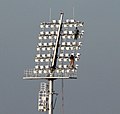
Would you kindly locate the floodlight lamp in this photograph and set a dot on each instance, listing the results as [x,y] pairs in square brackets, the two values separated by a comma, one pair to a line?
[58,71]
[47,26]
[76,59]
[64,43]
[44,55]
[60,59]
[40,44]
[41,67]
[67,48]
[76,48]
[38,48]
[78,55]
[65,66]
[73,36]
[43,49]
[55,37]
[42,26]
[68,43]
[48,48]
[76,25]
[61,55]
[62,48]
[65,32]
[45,71]
[57,25]
[43,44]
[40,71]
[53,48]
[40,38]
[47,60]
[65,25]
[51,44]
[65,59]
[67,70]
[72,20]
[64,37]
[47,66]
[54,21]
[36,60]
[38,55]
[72,54]
[52,26]
[70,25]
[70,32]
[67,20]
[35,72]
[50,37]
[41,60]
[42,33]
[46,33]
[52,32]
[80,43]
[76,66]
[62,71]
[48,55]
[37,67]
[73,43]
[60,66]
[82,31]
[81,24]
[69,36]
[45,37]
[67,55]
[71,48]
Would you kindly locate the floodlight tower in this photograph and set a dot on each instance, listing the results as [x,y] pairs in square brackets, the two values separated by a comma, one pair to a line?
[59,43]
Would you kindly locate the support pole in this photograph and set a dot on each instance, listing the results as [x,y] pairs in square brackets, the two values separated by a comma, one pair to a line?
[50,111]
[54,61]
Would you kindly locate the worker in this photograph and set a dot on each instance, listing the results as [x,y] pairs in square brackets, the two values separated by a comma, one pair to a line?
[72,59]
[76,33]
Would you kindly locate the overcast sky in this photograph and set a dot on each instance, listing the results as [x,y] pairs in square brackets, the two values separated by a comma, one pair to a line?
[97,89]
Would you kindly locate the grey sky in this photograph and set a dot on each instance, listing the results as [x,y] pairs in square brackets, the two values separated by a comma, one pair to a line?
[97,89]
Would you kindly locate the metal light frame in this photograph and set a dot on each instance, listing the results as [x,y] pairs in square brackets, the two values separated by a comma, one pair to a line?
[57,42]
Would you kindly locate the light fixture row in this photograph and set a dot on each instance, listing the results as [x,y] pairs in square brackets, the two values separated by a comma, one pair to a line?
[63,33]
[50,59]
[67,23]
[52,44]
[63,37]
[60,69]
[62,55]
[62,48]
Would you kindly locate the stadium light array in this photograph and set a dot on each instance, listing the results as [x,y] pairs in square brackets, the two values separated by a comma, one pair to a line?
[58,41]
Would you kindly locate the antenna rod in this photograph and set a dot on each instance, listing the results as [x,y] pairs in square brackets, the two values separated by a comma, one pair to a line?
[73,13]
[50,15]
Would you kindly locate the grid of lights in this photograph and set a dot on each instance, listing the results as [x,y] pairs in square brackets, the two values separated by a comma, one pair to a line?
[43,97]
[68,46]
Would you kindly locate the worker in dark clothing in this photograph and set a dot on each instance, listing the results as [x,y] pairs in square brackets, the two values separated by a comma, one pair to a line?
[72,59]
[76,33]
